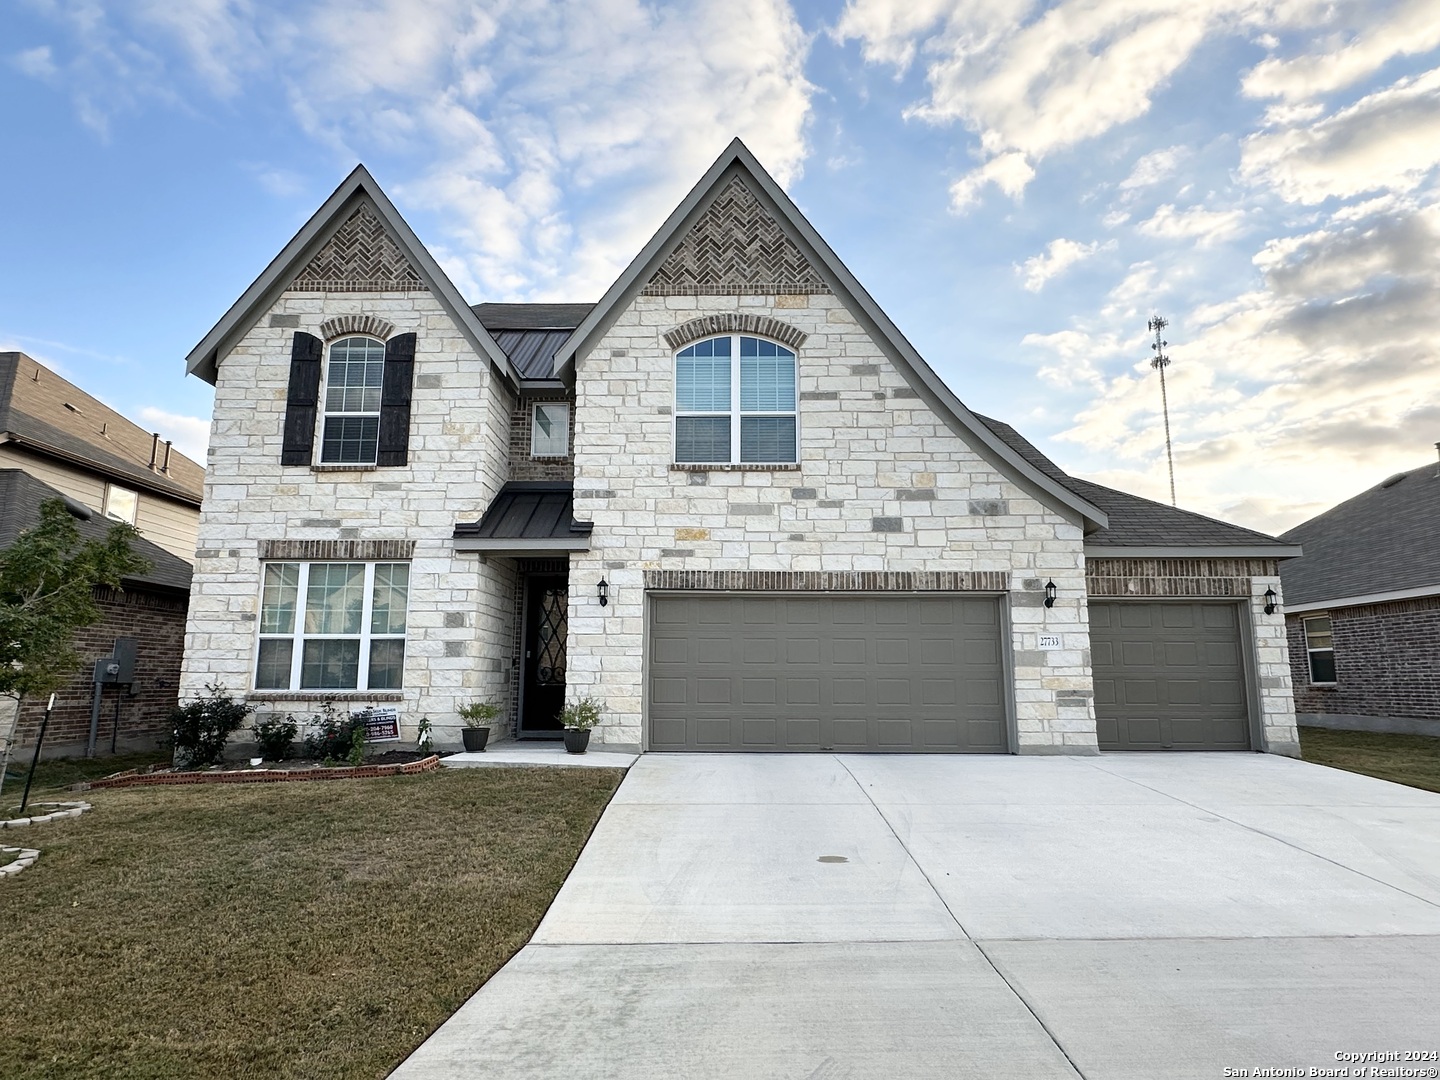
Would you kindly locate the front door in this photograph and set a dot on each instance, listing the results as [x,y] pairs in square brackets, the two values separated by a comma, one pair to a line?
[542,678]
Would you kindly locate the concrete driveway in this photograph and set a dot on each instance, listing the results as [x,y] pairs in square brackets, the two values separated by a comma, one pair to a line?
[841,917]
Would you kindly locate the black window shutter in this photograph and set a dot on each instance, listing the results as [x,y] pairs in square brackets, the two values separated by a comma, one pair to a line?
[395,401]
[302,399]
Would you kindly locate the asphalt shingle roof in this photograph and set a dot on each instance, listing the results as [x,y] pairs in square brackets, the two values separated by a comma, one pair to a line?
[1383,540]
[52,415]
[1134,522]
[20,498]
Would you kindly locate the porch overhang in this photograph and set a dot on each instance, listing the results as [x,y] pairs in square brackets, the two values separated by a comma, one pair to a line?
[527,519]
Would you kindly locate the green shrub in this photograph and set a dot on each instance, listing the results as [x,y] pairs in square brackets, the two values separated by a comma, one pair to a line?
[333,736]
[478,713]
[583,714]
[275,736]
[203,726]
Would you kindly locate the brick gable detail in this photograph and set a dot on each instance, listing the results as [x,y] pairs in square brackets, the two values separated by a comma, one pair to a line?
[361,256]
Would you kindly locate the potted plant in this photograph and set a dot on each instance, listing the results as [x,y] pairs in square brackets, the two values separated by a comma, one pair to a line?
[477,716]
[578,718]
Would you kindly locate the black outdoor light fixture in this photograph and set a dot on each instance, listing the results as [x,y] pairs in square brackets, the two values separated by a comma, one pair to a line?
[1269,601]
[602,588]
[1050,592]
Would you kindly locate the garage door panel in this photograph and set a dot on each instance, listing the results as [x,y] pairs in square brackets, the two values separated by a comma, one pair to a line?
[1168,675]
[889,674]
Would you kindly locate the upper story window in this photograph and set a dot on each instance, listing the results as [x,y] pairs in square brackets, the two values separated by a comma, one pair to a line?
[550,430]
[735,402]
[332,626]
[1320,648]
[354,377]
[121,503]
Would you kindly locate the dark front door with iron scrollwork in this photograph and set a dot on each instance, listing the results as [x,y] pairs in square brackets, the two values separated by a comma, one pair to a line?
[542,678]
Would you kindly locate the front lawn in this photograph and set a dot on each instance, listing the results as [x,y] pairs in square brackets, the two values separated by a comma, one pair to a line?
[1404,759]
[290,930]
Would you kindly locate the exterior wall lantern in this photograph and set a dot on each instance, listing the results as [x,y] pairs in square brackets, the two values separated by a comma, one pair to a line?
[1050,593]
[602,589]
[1270,601]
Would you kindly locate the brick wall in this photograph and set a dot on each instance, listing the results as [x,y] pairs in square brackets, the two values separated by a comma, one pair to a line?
[522,465]
[1387,661]
[157,621]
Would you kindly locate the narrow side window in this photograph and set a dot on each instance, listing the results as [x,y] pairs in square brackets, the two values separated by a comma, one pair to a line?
[1320,648]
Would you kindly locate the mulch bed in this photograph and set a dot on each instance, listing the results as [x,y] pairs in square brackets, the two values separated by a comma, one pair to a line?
[368,771]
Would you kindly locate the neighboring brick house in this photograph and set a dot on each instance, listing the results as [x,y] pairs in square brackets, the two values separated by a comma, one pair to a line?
[729,499]
[150,608]
[1362,608]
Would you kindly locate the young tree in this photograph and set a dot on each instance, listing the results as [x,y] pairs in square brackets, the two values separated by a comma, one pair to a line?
[47,585]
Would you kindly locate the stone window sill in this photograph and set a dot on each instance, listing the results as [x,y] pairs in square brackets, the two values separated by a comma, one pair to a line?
[344,468]
[325,695]
[731,467]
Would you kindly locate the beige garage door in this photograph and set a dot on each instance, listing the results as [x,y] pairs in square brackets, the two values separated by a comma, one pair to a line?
[897,674]
[1169,675]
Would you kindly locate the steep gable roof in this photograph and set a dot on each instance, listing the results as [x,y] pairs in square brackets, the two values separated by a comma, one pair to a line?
[798,252]
[1382,541]
[50,415]
[381,238]
[21,496]
[1144,528]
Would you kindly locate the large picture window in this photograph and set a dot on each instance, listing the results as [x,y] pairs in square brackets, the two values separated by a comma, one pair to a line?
[332,626]
[1320,648]
[735,402]
[354,377]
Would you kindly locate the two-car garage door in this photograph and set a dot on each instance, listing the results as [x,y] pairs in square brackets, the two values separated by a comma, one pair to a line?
[765,672]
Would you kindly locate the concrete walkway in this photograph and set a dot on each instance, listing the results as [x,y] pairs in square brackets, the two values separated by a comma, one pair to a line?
[845,917]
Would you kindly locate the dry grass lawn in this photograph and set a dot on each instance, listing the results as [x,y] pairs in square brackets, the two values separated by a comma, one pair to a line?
[287,930]
[1403,759]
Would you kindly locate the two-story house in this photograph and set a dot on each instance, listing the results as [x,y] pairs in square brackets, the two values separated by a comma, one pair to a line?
[58,442]
[729,499]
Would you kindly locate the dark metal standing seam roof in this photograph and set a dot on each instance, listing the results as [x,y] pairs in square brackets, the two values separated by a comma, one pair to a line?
[530,334]
[1383,540]
[529,510]
[531,352]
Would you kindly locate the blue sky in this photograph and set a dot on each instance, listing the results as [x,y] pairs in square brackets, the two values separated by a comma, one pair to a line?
[1019,185]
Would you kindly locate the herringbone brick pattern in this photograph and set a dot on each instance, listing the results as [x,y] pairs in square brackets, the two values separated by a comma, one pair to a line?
[360,257]
[736,247]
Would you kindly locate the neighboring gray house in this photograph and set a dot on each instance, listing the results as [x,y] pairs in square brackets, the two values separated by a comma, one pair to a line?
[1363,609]
[729,499]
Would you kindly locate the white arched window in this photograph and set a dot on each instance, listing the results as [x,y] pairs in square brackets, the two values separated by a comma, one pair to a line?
[354,376]
[735,403]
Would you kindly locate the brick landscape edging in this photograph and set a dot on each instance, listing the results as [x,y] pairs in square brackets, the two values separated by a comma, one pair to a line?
[270,776]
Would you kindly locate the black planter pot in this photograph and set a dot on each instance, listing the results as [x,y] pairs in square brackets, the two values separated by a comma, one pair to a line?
[576,739]
[475,739]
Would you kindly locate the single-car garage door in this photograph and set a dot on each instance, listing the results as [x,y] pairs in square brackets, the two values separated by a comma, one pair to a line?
[1168,676]
[899,674]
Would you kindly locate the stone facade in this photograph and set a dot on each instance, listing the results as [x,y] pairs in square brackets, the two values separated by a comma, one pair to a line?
[157,621]
[1386,656]
[460,608]
[1246,580]
[883,484]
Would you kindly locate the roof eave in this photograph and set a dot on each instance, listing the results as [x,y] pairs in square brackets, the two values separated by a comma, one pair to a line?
[101,468]
[203,360]
[1363,600]
[520,548]
[901,352]
[1194,551]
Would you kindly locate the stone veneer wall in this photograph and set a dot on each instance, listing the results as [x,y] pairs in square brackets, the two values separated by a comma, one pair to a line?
[1387,657]
[1243,579]
[882,485]
[458,644]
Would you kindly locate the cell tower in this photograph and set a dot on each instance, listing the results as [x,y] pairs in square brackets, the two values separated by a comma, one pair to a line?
[1160,362]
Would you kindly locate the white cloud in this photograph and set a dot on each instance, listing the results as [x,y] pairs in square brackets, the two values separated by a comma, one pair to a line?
[191,434]
[1371,40]
[1388,140]
[37,62]
[1205,227]
[1009,172]
[1059,255]
[1154,167]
